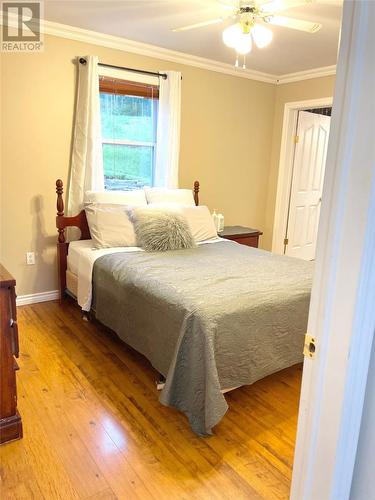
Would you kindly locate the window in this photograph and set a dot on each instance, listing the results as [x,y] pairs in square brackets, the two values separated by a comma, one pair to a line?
[128,118]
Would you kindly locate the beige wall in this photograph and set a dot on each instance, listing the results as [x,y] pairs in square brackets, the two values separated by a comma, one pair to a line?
[289,92]
[226,136]
[230,142]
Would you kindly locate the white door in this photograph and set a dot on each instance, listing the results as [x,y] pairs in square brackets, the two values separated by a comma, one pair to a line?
[307,184]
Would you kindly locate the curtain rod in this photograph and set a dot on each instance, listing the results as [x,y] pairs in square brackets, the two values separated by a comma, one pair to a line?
[82,60]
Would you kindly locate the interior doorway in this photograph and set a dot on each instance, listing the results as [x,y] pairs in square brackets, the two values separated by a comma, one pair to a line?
[305,192]
[304,139]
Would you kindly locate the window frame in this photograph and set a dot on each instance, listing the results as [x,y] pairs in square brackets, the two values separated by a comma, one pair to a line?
[131,79]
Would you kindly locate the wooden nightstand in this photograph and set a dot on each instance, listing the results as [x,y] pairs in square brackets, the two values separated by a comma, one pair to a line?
[243,235]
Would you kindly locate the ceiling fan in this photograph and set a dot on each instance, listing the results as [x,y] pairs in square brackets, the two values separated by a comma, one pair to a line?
[250,19]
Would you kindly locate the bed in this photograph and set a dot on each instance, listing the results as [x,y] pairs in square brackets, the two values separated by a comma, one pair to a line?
[213,317]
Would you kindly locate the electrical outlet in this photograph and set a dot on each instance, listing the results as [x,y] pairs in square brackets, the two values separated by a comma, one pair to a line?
[30,258]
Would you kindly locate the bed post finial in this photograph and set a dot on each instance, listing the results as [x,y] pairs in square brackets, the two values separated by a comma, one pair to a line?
[196,192]
[60,209]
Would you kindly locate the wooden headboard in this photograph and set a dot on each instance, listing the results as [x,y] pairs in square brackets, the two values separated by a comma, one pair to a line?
[79,221]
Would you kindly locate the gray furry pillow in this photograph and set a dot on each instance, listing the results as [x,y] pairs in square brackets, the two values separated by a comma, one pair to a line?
[161,229]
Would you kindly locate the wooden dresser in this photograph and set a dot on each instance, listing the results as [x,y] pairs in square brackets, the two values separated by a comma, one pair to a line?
[244,235]
[10,420]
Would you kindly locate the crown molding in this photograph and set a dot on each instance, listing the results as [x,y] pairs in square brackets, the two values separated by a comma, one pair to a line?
[306,75]
[144,49]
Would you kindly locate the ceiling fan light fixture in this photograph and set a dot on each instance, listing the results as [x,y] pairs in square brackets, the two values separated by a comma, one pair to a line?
[235,38]
[231,35]
[262,36]
[244,44]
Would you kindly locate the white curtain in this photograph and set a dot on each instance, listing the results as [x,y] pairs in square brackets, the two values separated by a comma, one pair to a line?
[168,131]
[86,171]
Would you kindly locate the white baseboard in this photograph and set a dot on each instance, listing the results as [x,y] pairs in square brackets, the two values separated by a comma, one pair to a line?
[33,298]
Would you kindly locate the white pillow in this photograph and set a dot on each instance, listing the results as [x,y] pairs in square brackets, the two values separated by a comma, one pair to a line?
[136,198]
[200,222]
[164,195]
[110,226]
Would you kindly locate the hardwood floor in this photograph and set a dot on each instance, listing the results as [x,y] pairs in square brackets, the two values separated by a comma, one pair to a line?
[93,426]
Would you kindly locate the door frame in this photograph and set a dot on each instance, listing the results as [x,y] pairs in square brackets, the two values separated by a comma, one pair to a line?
[286,162]
[342,313]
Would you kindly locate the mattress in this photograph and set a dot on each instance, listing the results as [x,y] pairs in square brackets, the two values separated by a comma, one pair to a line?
[72,283]
[75,250]
[81,259]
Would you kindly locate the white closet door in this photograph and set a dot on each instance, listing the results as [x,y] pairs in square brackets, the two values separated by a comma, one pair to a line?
[307,184]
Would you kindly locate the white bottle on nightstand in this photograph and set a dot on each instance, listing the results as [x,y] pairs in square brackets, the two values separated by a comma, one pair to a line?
[215,218]
[220,223]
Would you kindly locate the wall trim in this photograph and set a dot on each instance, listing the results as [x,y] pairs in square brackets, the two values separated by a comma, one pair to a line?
[154,51]
[34,298]
[307,75]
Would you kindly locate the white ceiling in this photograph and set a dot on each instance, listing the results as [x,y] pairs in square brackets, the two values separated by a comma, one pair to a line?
[151,21]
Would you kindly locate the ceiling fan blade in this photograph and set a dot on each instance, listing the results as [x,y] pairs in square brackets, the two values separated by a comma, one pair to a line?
[279,5]
[295,24]
[232,5]
[199,25]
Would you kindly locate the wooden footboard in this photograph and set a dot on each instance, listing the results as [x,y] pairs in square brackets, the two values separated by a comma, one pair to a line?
[79,221]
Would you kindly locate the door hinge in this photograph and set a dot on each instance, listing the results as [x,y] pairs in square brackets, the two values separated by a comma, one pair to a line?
[296,139]
[309,346]
[286,241]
